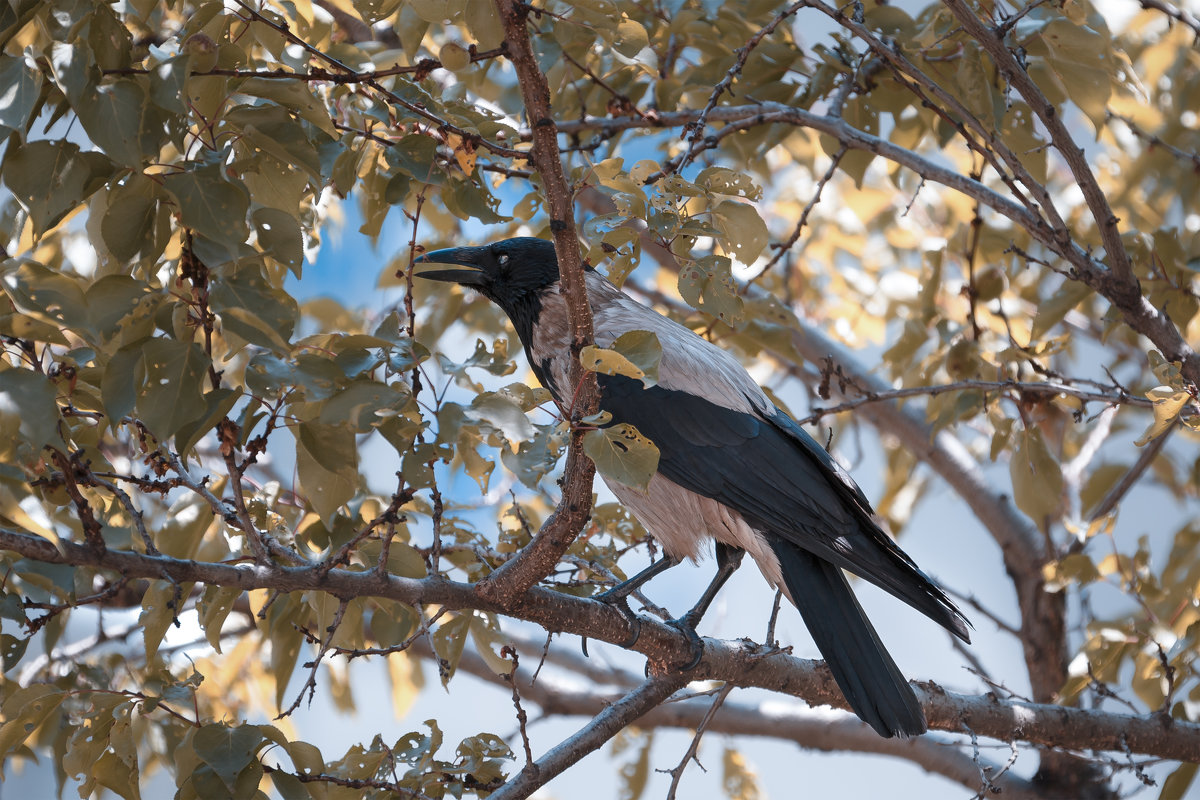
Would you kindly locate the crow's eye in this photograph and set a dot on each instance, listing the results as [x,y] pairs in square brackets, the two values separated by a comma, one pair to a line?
[502,259]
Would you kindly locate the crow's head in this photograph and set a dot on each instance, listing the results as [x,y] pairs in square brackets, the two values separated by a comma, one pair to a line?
[511,273]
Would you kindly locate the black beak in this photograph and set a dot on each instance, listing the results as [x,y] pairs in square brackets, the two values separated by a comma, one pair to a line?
[470,273]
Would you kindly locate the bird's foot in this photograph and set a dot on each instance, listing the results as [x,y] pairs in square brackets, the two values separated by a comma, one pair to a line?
[687,626]
[618,599]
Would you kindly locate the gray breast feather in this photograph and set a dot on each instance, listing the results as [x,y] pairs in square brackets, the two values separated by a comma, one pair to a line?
[689,363]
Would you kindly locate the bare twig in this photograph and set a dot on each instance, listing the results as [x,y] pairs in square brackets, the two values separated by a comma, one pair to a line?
[1121,488]
[310,683]
[603,727]
[509,651]
[726,83]
[676,772]
[1178,14]
[1018,388]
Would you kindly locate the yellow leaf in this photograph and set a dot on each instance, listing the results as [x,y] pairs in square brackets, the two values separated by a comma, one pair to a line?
[608,362]
[1168,402]
[464,150]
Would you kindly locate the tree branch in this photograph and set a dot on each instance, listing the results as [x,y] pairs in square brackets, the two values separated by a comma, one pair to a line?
[810,728]
[508,583]
[740,662]
[1073,154]
[605,725]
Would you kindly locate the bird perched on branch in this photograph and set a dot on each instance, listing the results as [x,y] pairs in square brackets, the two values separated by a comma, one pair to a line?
[732,467]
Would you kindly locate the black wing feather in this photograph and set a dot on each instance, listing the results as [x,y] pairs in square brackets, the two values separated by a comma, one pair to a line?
[778,478]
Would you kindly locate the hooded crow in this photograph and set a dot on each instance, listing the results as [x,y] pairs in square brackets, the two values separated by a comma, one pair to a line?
[732,467]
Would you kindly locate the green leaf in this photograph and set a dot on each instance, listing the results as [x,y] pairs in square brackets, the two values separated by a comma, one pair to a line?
[24,711]
[1036,476]
[28,414]
[470,200]
[71,65]
[49,179]
[1176,785]
[117,775]
[489,641]
[130,218]
[218,403]
[280,237]
[974,82]
[121,123]
[721,180]
[253,309]
[272,130]
[359,403]
[623,454]
[168,82]
[159,611]
[173,392]
[1079,60]
[47,295]
[327,465]
[211,205]
[19,86]
[631,38]
[285,640]
[293,95]
[707,284]
[110,300]
[448,642]
[122,378]
[1052,310]
[742,229]
[275,184]
[12,650]
[500,411]
[475,465]
[536,458]
[228,749]
[484,23]
[438,10]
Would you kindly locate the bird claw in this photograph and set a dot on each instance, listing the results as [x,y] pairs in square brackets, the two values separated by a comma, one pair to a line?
[618,601]
[688,628]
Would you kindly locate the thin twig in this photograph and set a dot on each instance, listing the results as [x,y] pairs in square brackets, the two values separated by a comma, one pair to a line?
[1122,487]
[676,772]
[726,83]
[591,737]
[310,683]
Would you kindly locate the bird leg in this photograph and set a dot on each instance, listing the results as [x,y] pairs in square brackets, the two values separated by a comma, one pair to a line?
[617,597]
[729,558]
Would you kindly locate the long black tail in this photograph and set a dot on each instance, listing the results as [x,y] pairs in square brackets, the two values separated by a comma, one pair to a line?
[864,671]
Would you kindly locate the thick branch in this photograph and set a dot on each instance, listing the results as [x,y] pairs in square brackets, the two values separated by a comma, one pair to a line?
[812,729]
[767,113]
[514,578]
[742,662]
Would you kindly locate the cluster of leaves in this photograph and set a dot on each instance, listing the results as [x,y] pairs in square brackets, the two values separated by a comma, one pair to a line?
[171,167]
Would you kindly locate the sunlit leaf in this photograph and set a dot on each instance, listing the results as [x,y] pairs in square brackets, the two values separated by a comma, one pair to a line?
[622,453]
